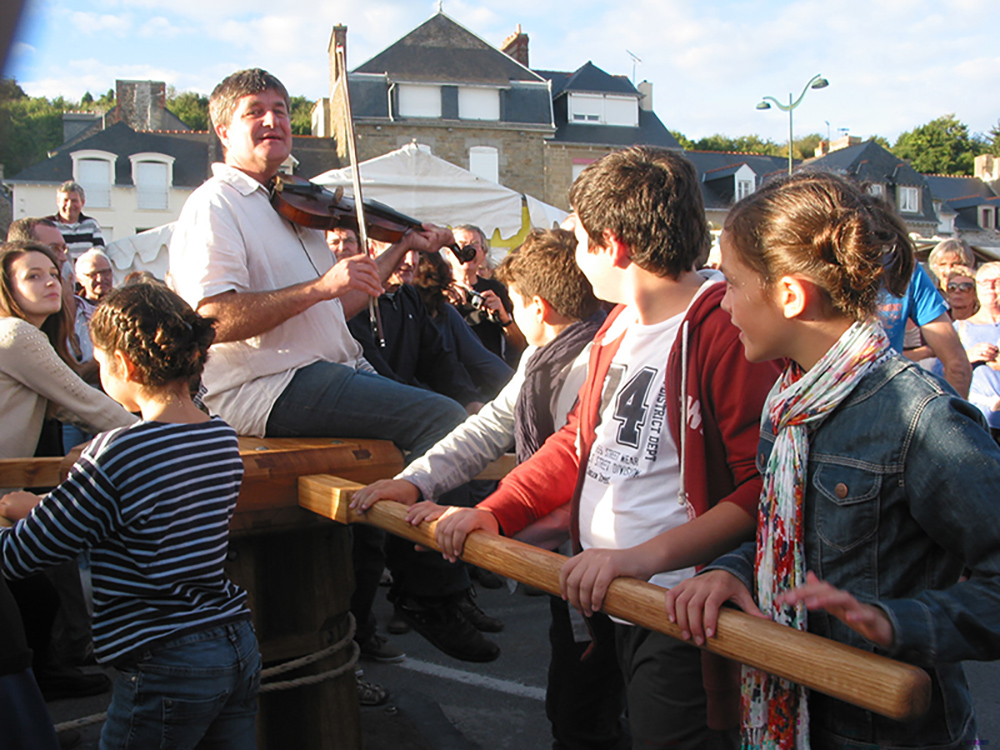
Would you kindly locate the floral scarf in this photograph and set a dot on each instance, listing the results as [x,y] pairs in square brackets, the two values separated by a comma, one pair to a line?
[775,711]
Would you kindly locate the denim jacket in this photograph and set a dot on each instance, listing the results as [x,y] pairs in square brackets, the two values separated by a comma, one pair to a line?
[901,496]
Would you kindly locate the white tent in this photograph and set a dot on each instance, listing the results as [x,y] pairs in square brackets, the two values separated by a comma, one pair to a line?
[415,182]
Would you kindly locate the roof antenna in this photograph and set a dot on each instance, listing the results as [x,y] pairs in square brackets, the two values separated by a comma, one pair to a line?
[440,6]
[635,59]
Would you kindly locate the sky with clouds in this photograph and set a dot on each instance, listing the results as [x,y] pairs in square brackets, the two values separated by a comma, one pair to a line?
[892,64]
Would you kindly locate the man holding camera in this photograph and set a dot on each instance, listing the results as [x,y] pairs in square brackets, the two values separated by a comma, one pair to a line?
[485,304]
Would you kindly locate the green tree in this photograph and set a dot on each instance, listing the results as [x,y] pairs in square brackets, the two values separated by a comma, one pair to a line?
[191,108]
[86,99]
[686,143]
[994,139]
[942,146]
[30,127]
[301,115]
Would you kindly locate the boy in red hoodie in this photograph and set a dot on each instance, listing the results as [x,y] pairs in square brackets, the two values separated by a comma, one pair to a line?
[658,456]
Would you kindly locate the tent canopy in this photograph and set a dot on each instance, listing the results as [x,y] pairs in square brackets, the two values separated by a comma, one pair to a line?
[415,182]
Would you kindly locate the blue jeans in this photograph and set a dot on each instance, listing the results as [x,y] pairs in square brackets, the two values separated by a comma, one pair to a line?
[330,400]
[196,691]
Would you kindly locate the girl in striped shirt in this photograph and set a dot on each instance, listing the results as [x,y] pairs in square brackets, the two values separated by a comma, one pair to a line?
[152,502]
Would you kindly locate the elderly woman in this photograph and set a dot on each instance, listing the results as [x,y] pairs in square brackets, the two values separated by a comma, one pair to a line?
[980,336]
[960,291]
[947,254]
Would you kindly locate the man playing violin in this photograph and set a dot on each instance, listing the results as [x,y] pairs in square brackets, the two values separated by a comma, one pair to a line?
[284,363]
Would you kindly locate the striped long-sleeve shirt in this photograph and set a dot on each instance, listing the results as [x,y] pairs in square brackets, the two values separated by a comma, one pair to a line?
[80,235]
[153,503]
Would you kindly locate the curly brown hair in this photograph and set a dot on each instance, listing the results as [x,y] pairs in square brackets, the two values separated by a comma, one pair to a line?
[164,338]
[828,230]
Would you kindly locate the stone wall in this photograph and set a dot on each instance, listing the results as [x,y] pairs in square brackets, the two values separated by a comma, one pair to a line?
[521,153]
[559,159]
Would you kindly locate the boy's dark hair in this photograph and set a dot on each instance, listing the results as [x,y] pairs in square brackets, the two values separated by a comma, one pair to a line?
[650,199]
[222,102]
[431,278]
[544,266]
[164,338]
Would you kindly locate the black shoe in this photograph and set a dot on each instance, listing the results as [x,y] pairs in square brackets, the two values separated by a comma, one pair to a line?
[397,625]
[441,622]
[479,619]
[65,682]
[69,738]
[486,578]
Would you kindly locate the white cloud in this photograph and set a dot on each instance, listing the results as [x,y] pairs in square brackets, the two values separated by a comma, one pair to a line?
[86,23]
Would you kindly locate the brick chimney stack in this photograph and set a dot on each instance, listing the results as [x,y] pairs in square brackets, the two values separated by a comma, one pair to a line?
[338,38]
[140,104]
[516,45]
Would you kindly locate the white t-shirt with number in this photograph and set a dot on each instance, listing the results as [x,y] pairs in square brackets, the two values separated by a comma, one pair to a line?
[630,493]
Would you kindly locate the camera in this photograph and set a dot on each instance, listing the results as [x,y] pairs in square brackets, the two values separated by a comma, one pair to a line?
[476,300]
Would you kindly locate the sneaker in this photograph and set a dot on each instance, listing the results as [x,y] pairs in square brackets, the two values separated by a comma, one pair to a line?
[479,619]
[370,693]
[67,682]
[442,623]
[397,625]
[486,578]
[379,649]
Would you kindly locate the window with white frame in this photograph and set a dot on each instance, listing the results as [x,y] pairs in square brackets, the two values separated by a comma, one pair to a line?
[419,101]
[743,188]
[987,217]
[478,103]
[152,175]
[484,161]
[908,199]
[598,109]
[95,171]
[877,189]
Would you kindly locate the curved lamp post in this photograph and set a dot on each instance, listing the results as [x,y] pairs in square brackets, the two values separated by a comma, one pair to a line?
[816,82]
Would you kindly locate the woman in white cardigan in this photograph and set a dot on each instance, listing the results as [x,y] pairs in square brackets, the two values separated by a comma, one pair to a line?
[34,378]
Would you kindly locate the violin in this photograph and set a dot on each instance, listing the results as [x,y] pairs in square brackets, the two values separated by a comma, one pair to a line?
[311,205]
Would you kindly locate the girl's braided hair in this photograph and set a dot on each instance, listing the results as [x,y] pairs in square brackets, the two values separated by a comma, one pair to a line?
[164,338]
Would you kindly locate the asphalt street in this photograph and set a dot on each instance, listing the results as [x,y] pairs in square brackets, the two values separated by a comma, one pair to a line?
[440,703]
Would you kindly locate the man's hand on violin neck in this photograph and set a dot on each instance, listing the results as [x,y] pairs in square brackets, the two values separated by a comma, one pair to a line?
[429,239]
[357,273]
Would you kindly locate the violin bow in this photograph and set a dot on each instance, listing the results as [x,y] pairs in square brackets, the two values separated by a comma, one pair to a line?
[359,204]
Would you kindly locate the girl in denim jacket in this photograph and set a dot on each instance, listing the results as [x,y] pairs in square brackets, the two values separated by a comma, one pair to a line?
[879,483]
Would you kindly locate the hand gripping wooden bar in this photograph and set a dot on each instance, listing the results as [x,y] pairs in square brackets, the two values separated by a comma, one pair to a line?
[875,683]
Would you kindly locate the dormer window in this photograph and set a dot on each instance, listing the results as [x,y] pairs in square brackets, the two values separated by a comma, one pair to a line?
[152,175]
[743,188]
[604,109]
[419,101]
[908,199]
[877,189]
[987,217]
[95,171]
[478,103]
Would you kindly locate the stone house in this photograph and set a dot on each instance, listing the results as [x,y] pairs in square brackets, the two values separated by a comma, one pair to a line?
[484,109]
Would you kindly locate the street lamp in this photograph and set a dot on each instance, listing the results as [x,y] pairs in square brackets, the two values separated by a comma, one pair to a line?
[816,82]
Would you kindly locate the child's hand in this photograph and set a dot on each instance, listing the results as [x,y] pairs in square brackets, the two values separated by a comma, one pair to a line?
[457,523]
[17,505]
[425,511]
[385,489]
[693,605]
[869,621]
[585,578]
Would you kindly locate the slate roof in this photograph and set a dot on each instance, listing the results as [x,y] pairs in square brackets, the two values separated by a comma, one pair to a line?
[870,162]
[190,150]
[442,51]
[717,168]
[588,78]
[949,188]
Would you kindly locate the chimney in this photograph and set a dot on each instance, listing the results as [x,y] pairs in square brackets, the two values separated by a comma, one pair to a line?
[140,104]
[338,38]
[516,45]
[987,169]
[844,142]
[645,96]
